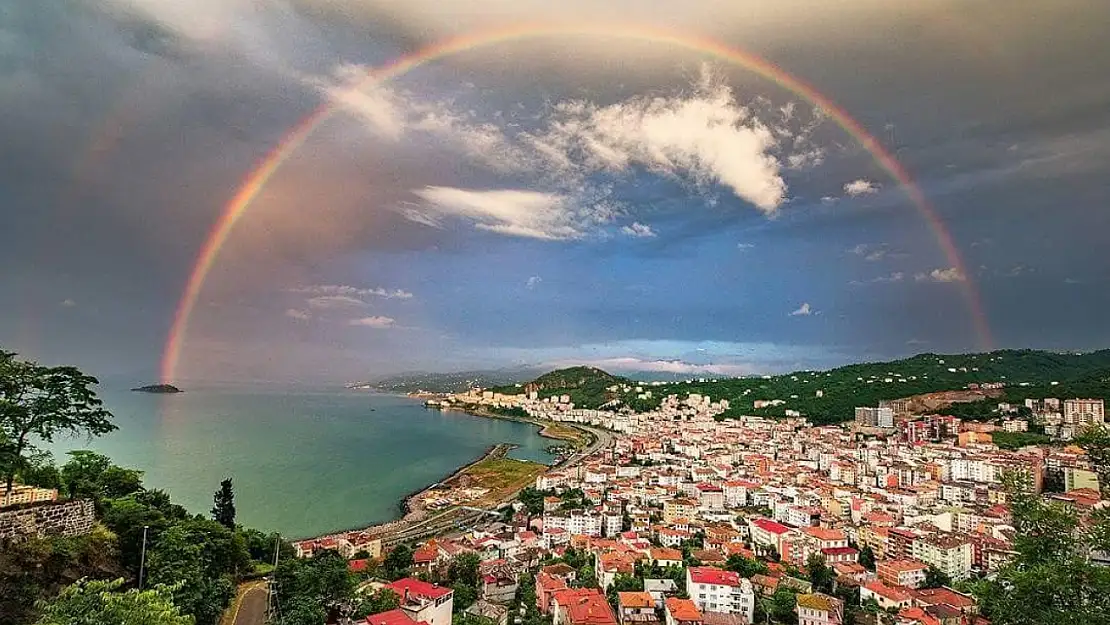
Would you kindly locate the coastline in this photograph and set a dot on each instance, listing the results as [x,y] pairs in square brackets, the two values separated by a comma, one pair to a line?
[412,516]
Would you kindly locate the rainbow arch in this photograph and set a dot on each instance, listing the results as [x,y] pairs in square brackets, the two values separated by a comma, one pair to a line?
[264,170]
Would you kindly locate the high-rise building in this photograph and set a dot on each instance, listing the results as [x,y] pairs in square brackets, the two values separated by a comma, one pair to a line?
[875,417]
[1084,412]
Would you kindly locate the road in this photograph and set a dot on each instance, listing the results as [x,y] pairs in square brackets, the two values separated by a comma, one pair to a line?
[251,607]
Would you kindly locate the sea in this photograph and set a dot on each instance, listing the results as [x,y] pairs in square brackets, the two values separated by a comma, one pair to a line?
[303,463]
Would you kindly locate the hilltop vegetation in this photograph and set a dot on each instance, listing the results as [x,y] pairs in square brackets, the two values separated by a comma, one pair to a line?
[455,382]
[1025,373]
[588,387]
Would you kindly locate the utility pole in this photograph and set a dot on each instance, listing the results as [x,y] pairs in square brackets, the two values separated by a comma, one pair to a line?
[271,602]
[142,558]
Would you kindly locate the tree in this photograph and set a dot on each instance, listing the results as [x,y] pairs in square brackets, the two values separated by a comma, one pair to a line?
[1050,579]
[820,574]
[92,475]
[936,578]
[623,583]
[382,600]
[223,505]
[39,403]
[867,557]
[746,567]
[397,562]
[105,603]
[1095,440]
[462,574]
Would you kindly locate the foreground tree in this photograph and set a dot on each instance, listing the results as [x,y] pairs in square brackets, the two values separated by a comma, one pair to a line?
[105,603]
[821,574]
[1051,579]
[223,505]
[39,403]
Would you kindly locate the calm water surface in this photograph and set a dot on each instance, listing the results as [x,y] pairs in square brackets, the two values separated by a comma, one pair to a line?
[303,463]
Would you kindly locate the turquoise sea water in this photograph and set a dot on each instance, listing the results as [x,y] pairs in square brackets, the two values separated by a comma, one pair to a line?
[303,463]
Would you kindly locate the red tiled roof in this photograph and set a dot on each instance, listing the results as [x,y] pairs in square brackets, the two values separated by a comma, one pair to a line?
[712,575]
[635,600]
[770,526]
[356,566]
[683,609]
[586,606]
[887,592]
[392,617]
[417,588]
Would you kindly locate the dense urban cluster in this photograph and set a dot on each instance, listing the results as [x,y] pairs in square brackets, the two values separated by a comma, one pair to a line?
[684,518]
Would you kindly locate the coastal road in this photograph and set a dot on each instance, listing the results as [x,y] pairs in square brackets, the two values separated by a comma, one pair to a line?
[250,606]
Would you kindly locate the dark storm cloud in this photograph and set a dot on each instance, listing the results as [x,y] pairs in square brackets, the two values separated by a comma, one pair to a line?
[128,124]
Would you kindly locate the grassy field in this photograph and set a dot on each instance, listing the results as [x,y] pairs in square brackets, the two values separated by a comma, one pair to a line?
[502,476]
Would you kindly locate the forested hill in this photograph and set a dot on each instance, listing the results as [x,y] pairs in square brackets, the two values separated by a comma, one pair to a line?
[1025,373]
[588,387]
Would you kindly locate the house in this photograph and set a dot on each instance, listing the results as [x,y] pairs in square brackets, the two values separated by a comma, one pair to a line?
[423,601]
[495,614]
[717,590]
[547,585]
[768,534]
[885,596]
[681,612]
[819,609]
[392,617]
[581,606]
[665,557]
[635,607]
[660,589]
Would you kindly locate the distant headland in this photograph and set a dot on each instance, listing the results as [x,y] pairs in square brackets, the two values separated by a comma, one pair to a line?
[157,388]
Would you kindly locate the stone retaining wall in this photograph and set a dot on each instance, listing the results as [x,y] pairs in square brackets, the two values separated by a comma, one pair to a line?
[70,518]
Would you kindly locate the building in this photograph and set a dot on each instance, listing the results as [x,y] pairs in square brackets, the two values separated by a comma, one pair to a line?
[681,612]
[581,606]
[675,509]
[885,596]
[905,573]
[423,601]
[882,417]
[1075,479]
[949,553]
[716,590]
[635,607]
[1084,412]
[819,609]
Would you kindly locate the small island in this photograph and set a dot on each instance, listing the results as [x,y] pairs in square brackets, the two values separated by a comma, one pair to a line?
[158,388]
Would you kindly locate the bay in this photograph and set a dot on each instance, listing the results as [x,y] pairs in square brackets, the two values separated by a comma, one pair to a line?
[303,463]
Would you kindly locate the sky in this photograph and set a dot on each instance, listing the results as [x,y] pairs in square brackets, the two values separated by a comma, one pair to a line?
[570,196]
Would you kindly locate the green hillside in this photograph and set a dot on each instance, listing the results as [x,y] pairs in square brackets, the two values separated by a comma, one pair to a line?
[586,386]
[1026,373]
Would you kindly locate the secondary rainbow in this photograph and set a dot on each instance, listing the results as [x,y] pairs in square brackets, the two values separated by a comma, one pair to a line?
[257,178]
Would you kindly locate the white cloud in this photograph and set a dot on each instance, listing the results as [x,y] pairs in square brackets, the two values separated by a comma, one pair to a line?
[870,252]
[335,290]
[532,282]
[745,246]
[828,199]
[516,212]
[803,311]
[335,301]
[808,159]
[300,315]
[639,230]
[896,276]
[951,274]
[860,187]
[378,322]
[703,136]
[68,303]
[383,110]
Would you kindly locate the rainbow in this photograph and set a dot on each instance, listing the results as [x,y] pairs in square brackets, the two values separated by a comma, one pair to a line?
[261,174]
